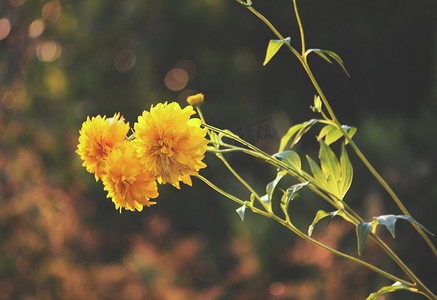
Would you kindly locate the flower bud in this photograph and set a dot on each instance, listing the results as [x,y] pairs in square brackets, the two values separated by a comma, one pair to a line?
[195,100]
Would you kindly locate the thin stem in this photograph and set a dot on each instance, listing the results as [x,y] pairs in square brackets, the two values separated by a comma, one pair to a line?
[294,229]
[349,212]
[302,36]
[303,60]
[243,182]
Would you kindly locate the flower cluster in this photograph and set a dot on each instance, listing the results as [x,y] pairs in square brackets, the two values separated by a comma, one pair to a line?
[167,146]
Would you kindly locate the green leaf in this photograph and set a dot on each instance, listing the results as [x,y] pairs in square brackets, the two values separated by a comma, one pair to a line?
[391,288]
[334,177]
[273,47]
[346,172]
[331,133]
[290,194]
[299,130]
[331,168]
[266,202]
[242,211]
[325,53]
[272,185]
[389,221]
[317,104]
[291,159]
[320,215]
[363,230]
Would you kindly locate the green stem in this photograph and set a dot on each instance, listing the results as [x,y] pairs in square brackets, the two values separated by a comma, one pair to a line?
[303,60]
[349,212]
[243,182]
[294,229]
[302,36]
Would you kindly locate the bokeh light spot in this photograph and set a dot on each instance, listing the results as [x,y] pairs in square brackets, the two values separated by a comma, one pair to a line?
[36,28]
[124,60]
[51,11]
[5,28]
[176,79]
[188,66]
[276,288]
[48,51]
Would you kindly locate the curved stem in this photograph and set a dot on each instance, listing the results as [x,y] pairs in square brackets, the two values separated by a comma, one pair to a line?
[303,59]
[294,229]
[356,219]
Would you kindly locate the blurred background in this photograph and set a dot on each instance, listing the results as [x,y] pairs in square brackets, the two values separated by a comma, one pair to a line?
[60,61]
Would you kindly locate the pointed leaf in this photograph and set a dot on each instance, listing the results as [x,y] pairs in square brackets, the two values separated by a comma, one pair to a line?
[273,47]
[320,215]
[286,138]
[331,133]
[299,130]
[330,167]
[338,59]
[346,172]
[242,211]
[363,230]
[319,176]
[272,185]
[291,193]
[325,53]
[266,202]
[291,159]
[391,288]
[389,221]
[322,55]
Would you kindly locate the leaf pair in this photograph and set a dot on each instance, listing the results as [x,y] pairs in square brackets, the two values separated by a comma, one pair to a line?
[389,221]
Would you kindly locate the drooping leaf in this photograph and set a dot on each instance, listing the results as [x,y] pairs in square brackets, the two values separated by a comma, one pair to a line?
[273,47]
[325,53]
[297,131]
[320,215]
[291,159]
[331,133]
[266,202]
[272,185]
[242,211]
[389,221]
[363,230]
[391,288]
[290,194]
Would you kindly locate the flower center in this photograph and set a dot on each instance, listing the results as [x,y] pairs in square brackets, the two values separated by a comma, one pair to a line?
[165,147]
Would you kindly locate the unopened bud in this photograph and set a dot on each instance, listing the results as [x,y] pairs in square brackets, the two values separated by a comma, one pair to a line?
[195,100]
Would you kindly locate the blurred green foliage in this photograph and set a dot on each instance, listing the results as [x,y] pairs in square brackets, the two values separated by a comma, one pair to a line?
[60,238]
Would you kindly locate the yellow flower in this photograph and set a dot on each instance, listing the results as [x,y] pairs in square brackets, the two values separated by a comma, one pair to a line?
[98,136]
[128,184]
[169,143]
[195,100]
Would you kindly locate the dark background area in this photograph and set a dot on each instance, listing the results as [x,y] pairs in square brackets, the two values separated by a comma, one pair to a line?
[60,61]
